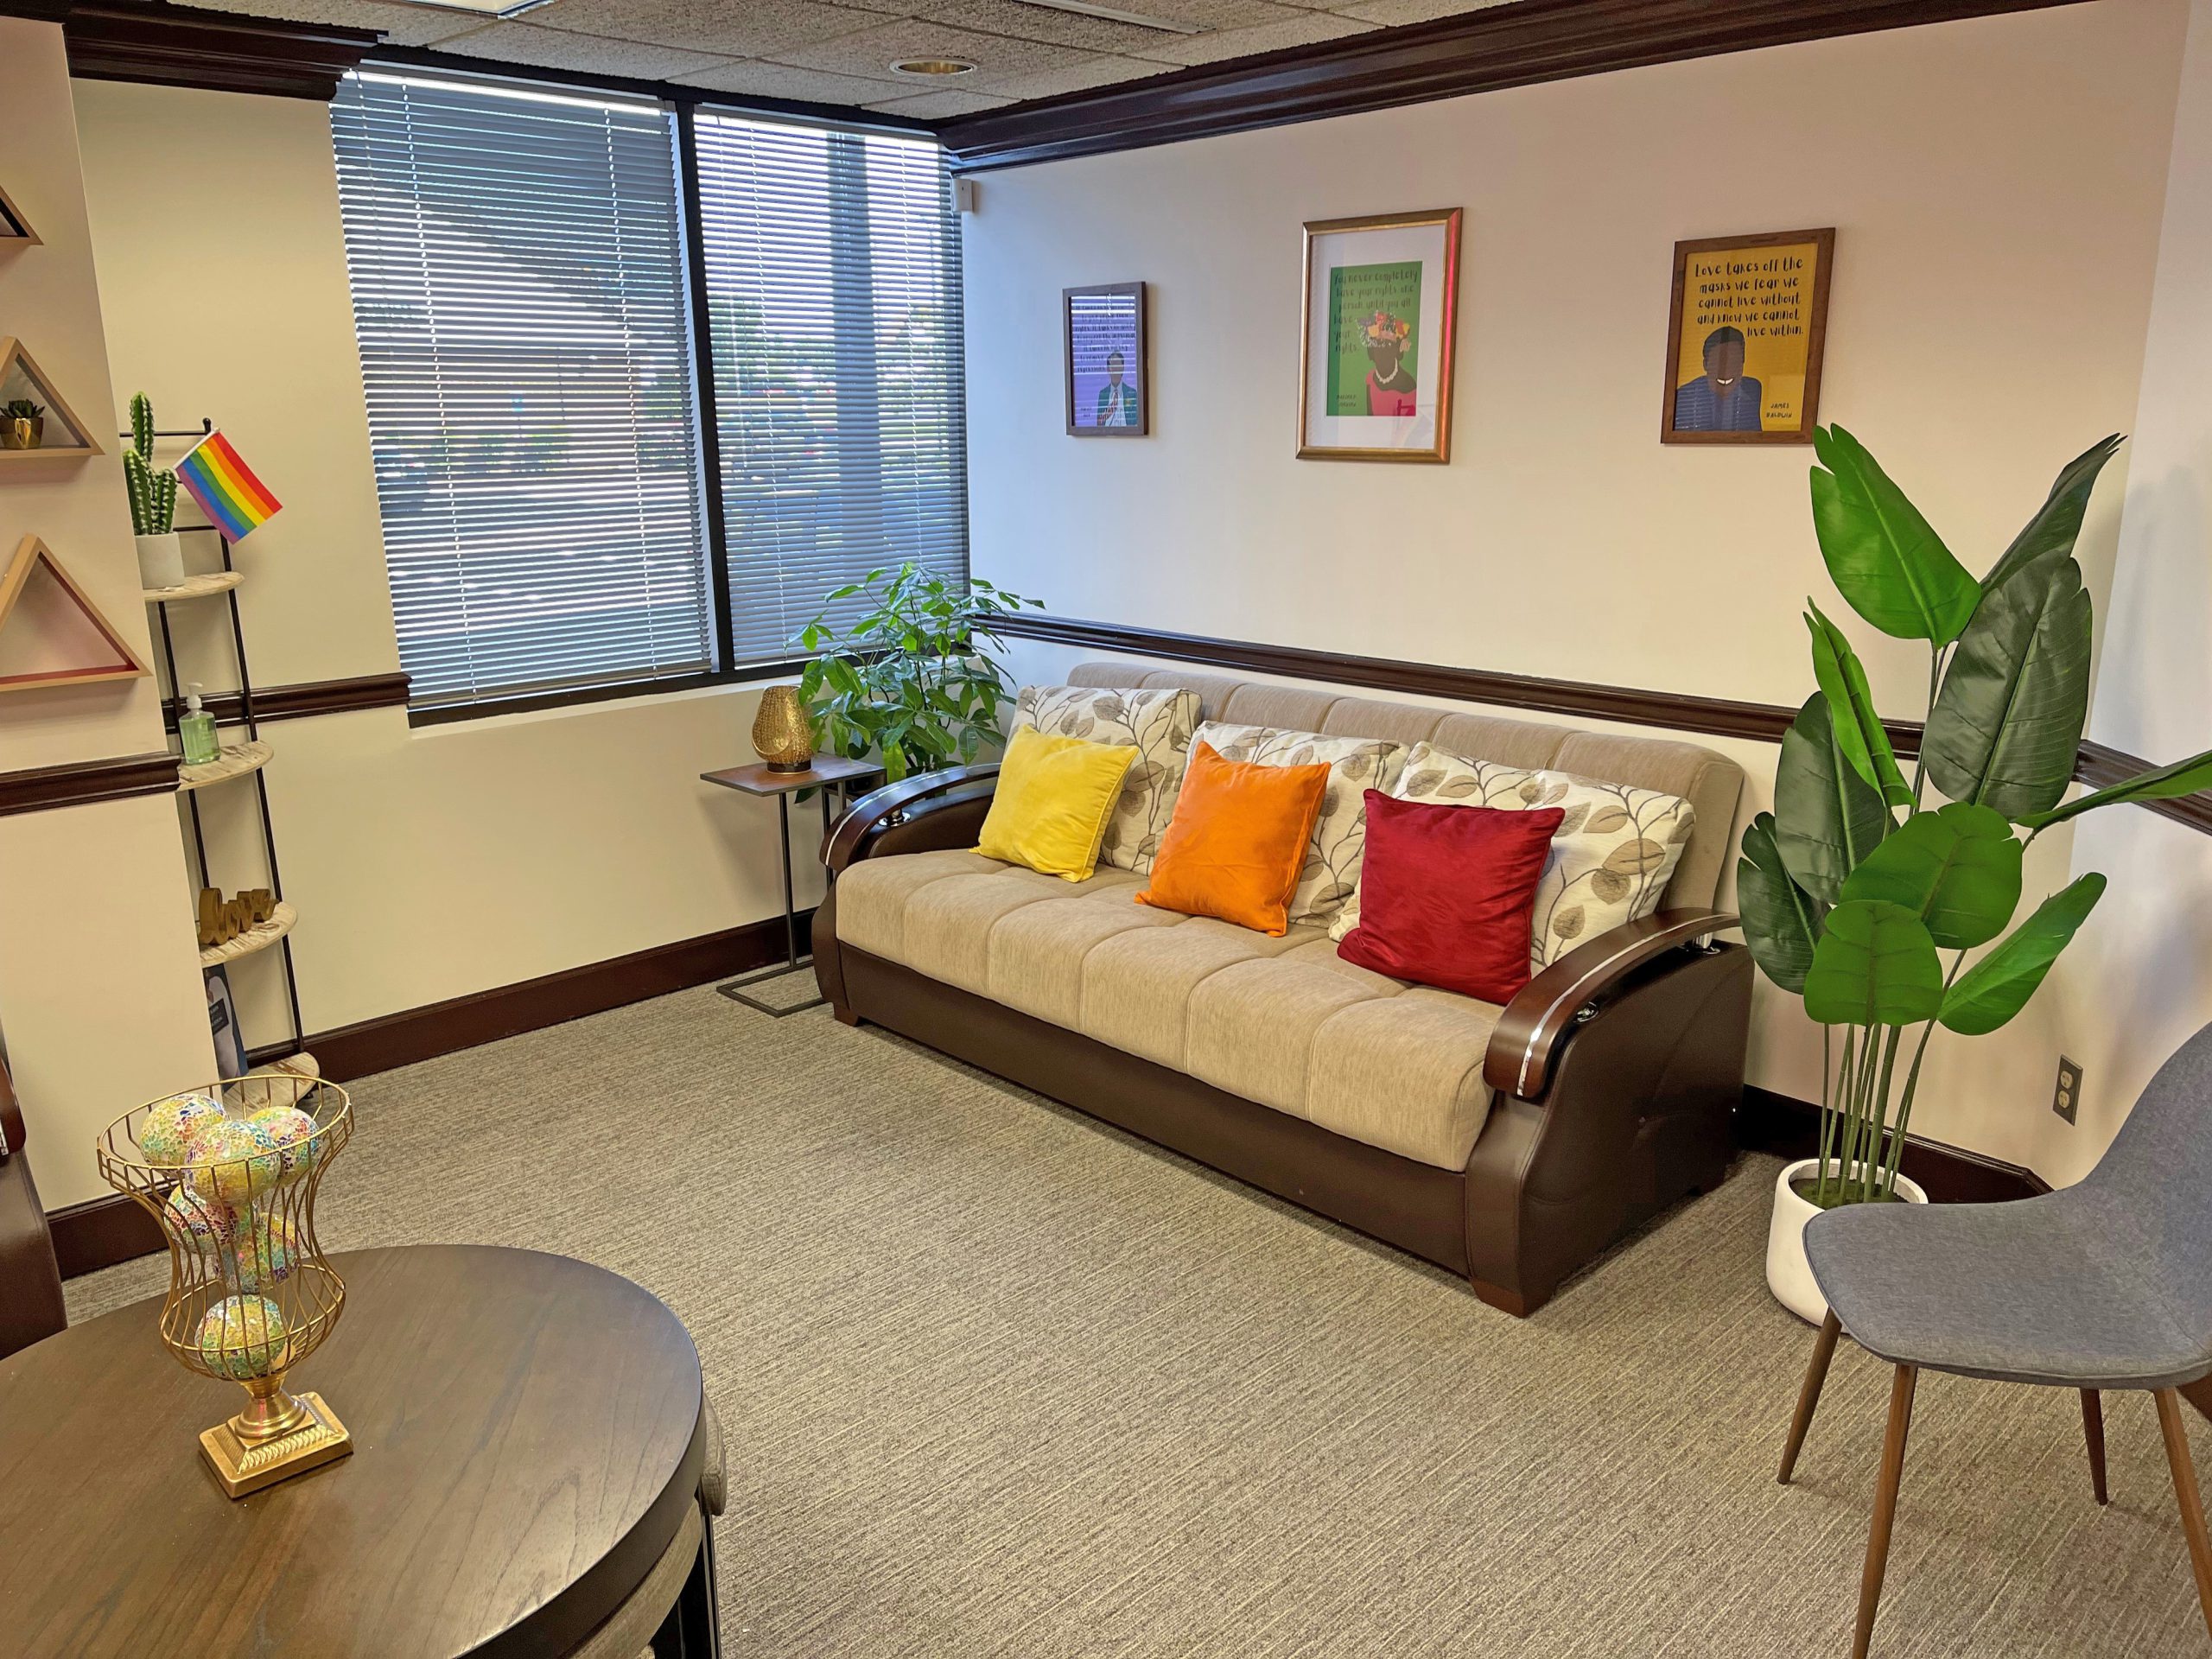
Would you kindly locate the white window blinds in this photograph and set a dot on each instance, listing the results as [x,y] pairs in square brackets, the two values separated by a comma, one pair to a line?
[518,290]
[833,290]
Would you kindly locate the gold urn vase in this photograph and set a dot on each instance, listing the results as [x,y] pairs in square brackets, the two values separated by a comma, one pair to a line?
[23,432]
[231,1172]
[781,733]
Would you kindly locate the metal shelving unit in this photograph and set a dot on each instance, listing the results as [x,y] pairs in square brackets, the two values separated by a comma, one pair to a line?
[238,760]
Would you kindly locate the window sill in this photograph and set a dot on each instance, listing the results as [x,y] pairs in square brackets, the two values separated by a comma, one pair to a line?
[627,690]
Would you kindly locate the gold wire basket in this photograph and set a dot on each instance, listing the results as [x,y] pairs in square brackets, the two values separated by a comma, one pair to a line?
[231,1172]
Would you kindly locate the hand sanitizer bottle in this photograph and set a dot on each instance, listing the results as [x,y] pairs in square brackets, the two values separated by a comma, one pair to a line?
[197,729]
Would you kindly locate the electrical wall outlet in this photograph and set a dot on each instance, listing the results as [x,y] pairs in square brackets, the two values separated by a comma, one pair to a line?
[2066,1098]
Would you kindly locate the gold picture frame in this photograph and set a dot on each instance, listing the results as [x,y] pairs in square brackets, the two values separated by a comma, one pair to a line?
[1756,290]
[1388,290]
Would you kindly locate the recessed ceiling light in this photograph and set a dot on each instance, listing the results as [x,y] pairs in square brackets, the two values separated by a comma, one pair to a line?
[932,68]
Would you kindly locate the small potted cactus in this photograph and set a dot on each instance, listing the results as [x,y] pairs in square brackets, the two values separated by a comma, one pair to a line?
[153,503]
[23,424]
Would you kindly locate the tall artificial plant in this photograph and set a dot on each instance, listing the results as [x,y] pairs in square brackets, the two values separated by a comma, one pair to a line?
[914,679]
[153,494]
[1855,886]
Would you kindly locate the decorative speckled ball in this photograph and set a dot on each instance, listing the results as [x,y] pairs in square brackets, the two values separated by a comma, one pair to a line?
[266,1246]
[293,1130]
[193,1216]
[233,1162]
[243,1337]
[166,1134]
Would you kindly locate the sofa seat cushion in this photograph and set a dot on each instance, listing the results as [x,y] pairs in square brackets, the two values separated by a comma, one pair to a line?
[1285,1022]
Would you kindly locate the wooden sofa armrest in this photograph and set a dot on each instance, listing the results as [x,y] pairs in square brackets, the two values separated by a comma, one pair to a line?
[880,807]
[1535,1024]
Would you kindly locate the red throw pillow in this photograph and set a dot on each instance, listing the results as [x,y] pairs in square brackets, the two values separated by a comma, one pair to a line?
[1446,894]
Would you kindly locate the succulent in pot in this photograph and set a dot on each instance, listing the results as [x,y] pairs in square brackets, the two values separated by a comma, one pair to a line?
[23,424]
[153,503]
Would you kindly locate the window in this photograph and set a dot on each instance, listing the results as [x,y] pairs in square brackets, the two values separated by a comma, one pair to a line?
[833,291]
[518,290]
[521,290]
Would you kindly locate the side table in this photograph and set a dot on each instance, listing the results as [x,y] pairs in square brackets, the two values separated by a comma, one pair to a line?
[828,772]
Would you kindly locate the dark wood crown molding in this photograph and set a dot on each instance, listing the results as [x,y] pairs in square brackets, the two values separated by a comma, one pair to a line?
[1513,45]
[2096,764]
[40,789]
[182,46]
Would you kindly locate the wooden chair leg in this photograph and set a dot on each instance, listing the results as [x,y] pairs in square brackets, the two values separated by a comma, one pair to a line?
[1809,1394]
[2093,1430]
[2192,1505]
[1885,1508]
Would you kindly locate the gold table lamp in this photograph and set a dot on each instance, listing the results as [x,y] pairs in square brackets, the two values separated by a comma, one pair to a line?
[782,736]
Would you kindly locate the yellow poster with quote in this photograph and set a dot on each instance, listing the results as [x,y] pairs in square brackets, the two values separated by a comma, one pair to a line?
[1745,341]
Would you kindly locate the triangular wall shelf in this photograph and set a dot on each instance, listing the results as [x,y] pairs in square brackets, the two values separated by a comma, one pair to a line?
[66,437]
[51,634]
[15,229]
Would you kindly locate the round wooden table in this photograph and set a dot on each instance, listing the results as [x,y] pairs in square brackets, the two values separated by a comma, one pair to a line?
[527,1430]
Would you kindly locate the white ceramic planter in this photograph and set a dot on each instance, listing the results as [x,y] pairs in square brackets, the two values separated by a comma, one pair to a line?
[1788,1275]
[161,560]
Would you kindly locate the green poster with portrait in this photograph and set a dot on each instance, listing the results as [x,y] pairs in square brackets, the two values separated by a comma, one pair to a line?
[1373,313]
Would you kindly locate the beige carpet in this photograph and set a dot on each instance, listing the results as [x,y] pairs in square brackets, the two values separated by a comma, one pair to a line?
[999,1382]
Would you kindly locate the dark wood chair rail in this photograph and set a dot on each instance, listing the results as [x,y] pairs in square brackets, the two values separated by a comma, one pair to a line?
[1537,1022]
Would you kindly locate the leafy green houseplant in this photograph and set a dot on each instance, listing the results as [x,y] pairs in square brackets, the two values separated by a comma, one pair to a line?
[915,680]
[1859,893]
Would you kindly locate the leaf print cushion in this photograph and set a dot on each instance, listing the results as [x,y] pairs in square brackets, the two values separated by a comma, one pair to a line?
[1611,858]
[1331,875]
[1159,723]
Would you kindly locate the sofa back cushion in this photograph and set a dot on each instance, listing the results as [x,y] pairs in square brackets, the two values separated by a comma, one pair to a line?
[1613,855]
[1330,874]
[1237,841]
[1157,722]
[1712,784]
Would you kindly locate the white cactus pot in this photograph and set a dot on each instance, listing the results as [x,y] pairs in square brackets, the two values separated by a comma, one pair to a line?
[1787,1273]
[161,560]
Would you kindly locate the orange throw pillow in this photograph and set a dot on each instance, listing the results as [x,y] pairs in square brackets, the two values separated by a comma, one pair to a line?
[1237,841]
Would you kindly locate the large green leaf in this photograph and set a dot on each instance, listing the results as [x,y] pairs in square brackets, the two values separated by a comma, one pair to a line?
[1958,870]
[2162,783]
[1875,965]
[1891,567]
[1826,818]
[2057,523]
[2008,721]
[1996,988]
[1782,921]
[1859,735]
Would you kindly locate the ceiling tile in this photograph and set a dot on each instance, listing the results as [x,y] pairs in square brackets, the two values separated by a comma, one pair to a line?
[1299,29]
[402,25]
[805,85]
[1392,13]
[935,106]
[1080,77]
[1012,17]
[753,30]
[556,48]
[872,51]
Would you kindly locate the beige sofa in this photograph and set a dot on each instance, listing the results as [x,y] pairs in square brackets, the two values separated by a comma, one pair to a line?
[1507,1143]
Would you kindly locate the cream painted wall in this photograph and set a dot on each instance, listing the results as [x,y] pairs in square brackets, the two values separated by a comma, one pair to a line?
[1992,286]
[100,1003]
[427,862]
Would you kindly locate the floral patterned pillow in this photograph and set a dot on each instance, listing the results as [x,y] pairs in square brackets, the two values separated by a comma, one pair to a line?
[1159,723]
[1610,861]
[1356,766]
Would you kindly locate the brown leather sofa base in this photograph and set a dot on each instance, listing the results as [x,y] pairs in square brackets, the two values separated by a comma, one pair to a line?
[1549,1185]
[30,1280]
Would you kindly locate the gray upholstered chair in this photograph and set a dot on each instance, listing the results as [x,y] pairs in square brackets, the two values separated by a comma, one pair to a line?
[2104,1285]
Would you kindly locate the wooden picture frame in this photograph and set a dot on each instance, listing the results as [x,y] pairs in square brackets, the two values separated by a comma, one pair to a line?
[1390,263]
[30,554]
[1742,297]
[1097,324]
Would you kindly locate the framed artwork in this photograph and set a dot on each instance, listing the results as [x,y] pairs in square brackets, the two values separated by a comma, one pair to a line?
[1381,300]
[1109,381]
[1743,338]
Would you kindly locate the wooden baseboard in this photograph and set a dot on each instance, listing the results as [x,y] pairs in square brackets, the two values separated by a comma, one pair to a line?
[104,1232]
[1790,1128]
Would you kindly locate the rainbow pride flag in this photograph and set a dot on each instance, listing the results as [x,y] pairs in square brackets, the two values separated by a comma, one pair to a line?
[236,502]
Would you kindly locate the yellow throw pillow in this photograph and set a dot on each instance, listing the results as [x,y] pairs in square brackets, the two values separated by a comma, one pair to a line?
[1053,798]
